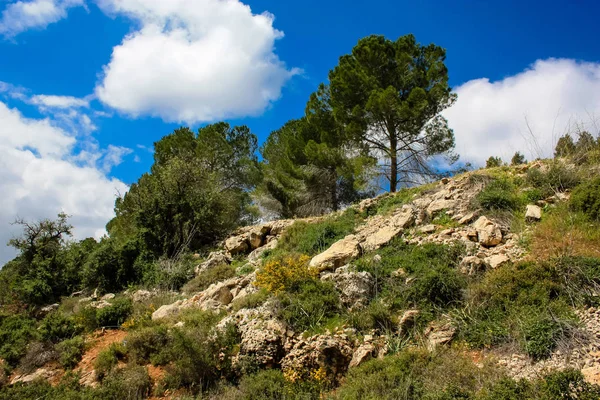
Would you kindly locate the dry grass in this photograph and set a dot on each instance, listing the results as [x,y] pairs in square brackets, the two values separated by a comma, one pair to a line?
[565,233]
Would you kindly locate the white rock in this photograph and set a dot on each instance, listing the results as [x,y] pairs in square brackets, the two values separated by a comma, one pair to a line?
[533,213]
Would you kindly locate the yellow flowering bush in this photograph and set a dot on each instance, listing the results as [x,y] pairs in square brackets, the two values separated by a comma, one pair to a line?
[279,275]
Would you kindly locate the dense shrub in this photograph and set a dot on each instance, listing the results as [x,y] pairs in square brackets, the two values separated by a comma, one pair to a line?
[145,344]
[287,273]
[208,277]
[56,327]
[499,194]
[309,305]
[108,359]
[15,333]
[71,351]
[250,301]
[115,315]
[558,178]
[586,198]
[375,316]
[129,383]
[314,238]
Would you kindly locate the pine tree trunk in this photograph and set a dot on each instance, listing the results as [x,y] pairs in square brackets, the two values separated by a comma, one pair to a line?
[393,163]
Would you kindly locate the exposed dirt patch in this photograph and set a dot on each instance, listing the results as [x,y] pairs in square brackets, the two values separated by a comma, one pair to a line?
[98,342]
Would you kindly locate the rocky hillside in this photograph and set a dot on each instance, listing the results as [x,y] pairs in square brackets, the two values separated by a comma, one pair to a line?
[456,289]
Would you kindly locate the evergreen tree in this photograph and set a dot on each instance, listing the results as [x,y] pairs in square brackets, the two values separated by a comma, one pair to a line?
[518,159]
[389,95]
[565,146]
[493,162]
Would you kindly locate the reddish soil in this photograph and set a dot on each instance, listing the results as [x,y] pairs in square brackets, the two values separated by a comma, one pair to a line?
[98,341]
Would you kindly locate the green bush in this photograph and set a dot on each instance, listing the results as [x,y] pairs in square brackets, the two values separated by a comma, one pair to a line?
[586,198]
[250,301]
[56,327]
[116,314]
[207,278]
[375,316]
[558,178]
[71,351]
[15,333]
[541,334]
[499,194]
[145,344]
[129,383]
[314,238]
[310,305]
[108,359]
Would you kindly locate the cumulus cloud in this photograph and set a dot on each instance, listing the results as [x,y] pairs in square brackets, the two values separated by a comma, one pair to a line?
[40,175]
[21,16]
[193,61]
[526,112]
[52,101]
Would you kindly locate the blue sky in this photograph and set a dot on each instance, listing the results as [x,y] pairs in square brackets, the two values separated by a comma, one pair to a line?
[87,86]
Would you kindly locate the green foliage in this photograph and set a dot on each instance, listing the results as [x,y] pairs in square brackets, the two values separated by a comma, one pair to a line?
[558,178]
[144,345]
[309,305]
[389,95]
[493,162]
[565,146]
[313,238]
[250,301]
[56,327]
[208,277]
[71,351]
[129,383]
[108,359]
[586,198]
[518,159]
[286,273]
[310,167]
[15,333]
[527,303]
[393,201]
[375,316]
[499,194]
[115,315]
[196,192]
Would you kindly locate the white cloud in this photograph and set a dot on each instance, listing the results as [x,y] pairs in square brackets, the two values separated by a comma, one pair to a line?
[52,101]
[40,176]
[193,60]
[552,96]
[21,16]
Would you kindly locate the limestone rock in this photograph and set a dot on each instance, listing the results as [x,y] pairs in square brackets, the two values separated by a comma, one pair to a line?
[533,213]
[497,260]
[338,254]
[236,245]
[214,259]
[141,295]
[488,233]
[381,237]
[41,373]
[255,256]
[407,320]
[439,205]
[362,354]
[467,219]
[592,374]
[427,229]
[167,311]
[439,333]
[356,288]
[108,296]
[333,353]
[49,309]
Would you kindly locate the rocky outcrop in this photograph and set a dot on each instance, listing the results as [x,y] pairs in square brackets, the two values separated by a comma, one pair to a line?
[356,288]
[214,259]
[533,213]
[323,352]
[167,311]
[339,254]
[379,231]
[251,238]
[489,234]
[41,373]
[439,333]
[364,353]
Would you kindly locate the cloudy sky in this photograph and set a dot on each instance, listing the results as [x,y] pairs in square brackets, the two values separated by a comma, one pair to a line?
[87,86]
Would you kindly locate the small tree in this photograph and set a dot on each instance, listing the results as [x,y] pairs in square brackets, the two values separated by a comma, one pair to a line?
[565,146]
[518,159]
[493,162]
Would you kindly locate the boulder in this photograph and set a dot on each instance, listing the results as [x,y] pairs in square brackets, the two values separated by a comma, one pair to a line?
[439,205]
[467,219]
[497,260]
[214,259]
[331,353]
[380,238]
[39,374]
[592,374]
[236,245]
[167,311]
[141,295]
[427,229]
[439,333]
[49,309]
[488,233]
[533,213]
[356,288]
[363,353]
[255,256]
[340,253]
[108,296]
